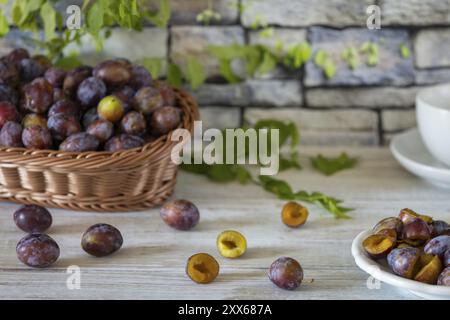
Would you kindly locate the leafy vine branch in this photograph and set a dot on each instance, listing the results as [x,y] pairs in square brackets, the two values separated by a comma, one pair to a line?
[101,16]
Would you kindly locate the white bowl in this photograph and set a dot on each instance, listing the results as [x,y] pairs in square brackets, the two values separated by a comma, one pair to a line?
[433,119]
[381,272]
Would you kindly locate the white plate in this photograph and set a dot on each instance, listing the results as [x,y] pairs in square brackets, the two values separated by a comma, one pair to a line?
[382,272]
[412,154]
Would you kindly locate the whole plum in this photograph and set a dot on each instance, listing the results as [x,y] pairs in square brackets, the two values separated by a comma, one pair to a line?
[90,116]
[180,214]
[80,142]
[64,106]
[133,123]
[38,95]
[123,142]
[90,92]
[17,55]
[165,119]
[8,93]
[43,61]
[114,73]
[167,93]
[101,240]
[8,73]
[148,99]
[8,112]
[37,250]
[11,135]
[32,218]
[62,126]
[30,69]
[101,129]
[73,79]
[140,77]
[34,119]
[125,94]
[37,137]
[55,76]
[286,273]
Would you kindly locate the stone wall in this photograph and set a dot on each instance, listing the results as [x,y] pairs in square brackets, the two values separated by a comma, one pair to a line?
[364,106]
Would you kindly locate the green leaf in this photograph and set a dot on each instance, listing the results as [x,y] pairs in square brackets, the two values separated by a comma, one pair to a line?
[328,203]
[227,72]
[320,58]
[68,62]
[329,68]
[404,51]
[329,166]
[161,17]
[4,26]
[94,16]
[268,63]
[174,75]
[48,15]
[279,187]
[195,72]
[350,55]
[153,65]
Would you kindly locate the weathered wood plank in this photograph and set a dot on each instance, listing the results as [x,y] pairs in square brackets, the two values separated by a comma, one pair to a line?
[151,263]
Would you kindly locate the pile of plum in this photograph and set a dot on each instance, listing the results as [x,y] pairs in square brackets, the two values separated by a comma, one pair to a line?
[114,106]
[415,246]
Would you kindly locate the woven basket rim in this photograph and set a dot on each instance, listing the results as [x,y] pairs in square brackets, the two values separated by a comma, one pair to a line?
[57,158]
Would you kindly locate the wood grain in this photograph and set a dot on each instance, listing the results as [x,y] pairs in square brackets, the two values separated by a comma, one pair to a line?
[152,261]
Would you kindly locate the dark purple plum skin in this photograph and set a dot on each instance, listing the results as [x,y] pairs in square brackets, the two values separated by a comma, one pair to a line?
[113,73]
[101,129]
[133,123]
[165,119]
[444,278]
[37,250]
[402,261]
[11,135]
[286,273]
[33,218]
[123,142]
[416,229]
[36,137]
[62,126]
[438,228]
[447,258]
[101,240]
[438,246]
[64,106]
[55,76]
[180,214]
[90,92]
[80,142]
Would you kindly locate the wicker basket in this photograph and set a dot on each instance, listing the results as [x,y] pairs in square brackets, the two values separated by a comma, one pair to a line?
[126,180]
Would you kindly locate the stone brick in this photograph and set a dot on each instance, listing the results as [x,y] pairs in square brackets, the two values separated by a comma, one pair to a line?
[432,47]
[415,12]
[274,93]
[299,13]
[397,120]
[220,117]
[432,76]
[16,39]
[325,127]
[392,69]
[287,37]
[361,97]
[222,94]
[186,11]
[194,41]
[150,43]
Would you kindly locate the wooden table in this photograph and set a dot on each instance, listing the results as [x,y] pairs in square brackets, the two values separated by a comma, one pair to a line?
[152,261]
